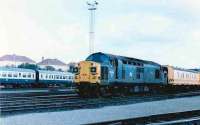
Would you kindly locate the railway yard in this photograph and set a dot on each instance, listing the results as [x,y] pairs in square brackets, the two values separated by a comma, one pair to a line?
[182,107]
[103,89]
[142,67]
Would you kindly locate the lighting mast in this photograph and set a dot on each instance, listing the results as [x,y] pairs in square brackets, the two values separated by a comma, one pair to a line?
[92,6]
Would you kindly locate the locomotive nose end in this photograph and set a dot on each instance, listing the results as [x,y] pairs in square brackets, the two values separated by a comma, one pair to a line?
[87,72]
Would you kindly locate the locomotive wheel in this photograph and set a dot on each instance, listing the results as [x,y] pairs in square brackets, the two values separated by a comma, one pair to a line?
[103,91]
[96,92]
[80,91]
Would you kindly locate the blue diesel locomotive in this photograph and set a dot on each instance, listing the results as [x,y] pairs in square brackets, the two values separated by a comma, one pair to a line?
[103,73]
[111,73]
[19,77]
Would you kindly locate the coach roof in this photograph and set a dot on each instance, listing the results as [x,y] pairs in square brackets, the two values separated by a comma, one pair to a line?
[16,69]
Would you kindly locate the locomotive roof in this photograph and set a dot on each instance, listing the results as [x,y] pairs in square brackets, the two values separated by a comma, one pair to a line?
[124,58]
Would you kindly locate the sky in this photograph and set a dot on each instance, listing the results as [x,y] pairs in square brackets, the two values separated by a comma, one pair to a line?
[163,31]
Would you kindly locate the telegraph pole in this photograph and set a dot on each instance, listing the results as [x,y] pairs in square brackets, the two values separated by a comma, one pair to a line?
[92,6]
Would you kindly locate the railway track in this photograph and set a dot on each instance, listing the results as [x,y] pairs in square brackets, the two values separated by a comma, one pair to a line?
[41,103]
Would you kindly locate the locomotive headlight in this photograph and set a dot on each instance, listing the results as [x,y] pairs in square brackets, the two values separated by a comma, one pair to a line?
[75,70]
[93,69]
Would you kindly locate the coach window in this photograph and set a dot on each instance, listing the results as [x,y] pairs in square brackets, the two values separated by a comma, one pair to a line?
[57,77]
[4,74]
[41,76]
[9,74]
[24,75]
[29,75]
[15,75]
[33,76]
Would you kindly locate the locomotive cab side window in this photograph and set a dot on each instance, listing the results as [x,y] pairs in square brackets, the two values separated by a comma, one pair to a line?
[123,72]
[104,73]
[157,74]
